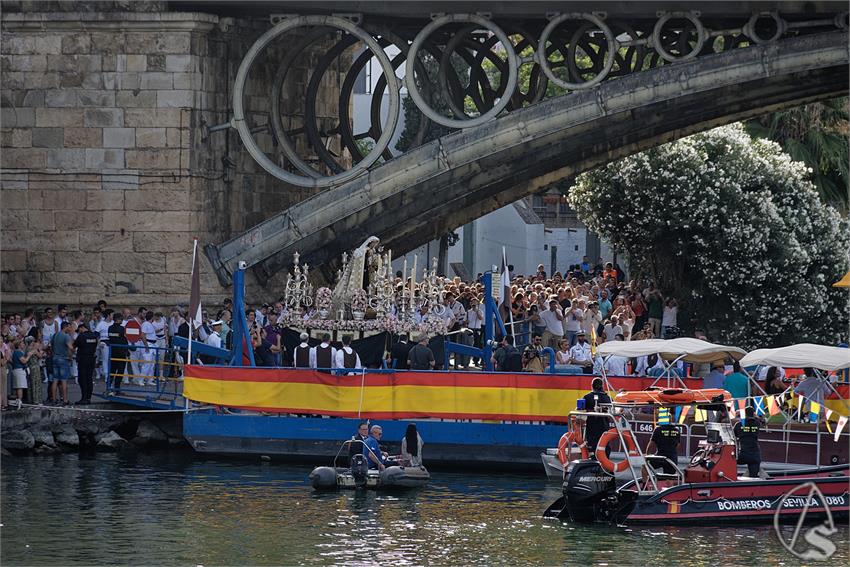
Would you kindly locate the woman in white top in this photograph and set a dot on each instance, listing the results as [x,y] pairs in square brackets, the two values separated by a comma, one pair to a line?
[562,356]
[411,447]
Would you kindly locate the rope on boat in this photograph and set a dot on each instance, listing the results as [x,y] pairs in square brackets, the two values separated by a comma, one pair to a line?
[362,388]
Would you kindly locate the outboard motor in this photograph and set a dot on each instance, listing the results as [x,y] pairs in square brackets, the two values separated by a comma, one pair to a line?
[359,468]
[590,492]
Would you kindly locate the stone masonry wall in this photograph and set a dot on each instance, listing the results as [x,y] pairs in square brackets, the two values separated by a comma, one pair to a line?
[107,173]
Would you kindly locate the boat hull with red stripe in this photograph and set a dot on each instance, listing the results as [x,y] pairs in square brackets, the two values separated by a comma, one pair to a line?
[745,501]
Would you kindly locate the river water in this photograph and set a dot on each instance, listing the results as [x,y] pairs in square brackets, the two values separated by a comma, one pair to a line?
[174,509]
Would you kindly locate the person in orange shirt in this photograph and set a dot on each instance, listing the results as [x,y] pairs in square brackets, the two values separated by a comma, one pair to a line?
[609,271]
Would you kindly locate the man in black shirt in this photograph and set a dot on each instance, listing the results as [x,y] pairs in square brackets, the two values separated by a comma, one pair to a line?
[399,353]
[355,446]
[596,425]
[421,357]
[116,339]
[747,433]
[665,440]
[86,347]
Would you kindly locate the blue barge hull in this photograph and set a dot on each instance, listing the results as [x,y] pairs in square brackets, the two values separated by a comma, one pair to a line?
[504,445]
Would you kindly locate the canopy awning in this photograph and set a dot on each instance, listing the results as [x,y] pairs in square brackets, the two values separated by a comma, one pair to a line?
[843,282]
[690,349]
[804,355]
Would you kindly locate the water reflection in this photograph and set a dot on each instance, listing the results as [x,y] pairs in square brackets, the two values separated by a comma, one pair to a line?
[169,509]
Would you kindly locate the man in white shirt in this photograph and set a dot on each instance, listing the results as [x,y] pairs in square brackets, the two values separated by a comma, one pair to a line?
[420,314]
[346,357]
[102,329]
[616,365]
[214,339]
[572,320]
[160,326]
[612,328]
[580,353]
[475,322]
[301,353]
[148,354]
[554,320]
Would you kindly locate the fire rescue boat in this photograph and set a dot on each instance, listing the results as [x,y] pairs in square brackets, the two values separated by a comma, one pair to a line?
[708,490]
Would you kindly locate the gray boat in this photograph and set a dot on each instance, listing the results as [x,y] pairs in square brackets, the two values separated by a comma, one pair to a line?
[359,476]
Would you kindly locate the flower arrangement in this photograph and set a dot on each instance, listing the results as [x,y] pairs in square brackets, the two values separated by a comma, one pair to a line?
[360,301]
[324,297]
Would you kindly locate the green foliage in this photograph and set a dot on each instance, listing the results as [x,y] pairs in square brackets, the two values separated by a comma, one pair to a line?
[733,228]
[817,135]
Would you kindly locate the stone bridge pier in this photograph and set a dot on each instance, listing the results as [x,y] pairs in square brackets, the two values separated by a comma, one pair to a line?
[108,167]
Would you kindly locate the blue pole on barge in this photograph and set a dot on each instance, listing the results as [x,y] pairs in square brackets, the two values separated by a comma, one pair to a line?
[491,314]
[241,333]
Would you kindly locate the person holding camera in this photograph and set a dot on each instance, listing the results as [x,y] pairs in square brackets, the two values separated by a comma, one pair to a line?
[532,356]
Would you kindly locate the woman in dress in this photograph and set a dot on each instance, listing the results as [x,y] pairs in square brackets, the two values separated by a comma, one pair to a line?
[563,354]
[411,447]
[18,363]
[35,354]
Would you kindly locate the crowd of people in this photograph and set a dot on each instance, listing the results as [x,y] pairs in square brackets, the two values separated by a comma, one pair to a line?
[43,349]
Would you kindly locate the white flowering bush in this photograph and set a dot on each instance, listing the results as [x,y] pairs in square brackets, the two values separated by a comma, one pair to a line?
[734,229]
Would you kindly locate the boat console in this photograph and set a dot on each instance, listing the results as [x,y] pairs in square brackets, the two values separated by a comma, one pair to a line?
[716,458]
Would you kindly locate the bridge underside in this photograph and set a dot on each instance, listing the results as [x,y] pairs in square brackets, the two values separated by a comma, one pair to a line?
[460,177]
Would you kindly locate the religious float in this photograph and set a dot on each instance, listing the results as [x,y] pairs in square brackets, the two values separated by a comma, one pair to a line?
[709,490]
[481,418]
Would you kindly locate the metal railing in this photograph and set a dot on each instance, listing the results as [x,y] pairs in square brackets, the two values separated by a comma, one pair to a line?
[153,378]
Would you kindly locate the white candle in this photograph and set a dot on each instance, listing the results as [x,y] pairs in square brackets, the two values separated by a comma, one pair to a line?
[413,276]
[404,270]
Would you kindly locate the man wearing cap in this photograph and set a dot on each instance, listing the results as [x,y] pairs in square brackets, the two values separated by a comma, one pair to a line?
[421,357]
[580,353]
[301,353]
[86,345]
[214,339]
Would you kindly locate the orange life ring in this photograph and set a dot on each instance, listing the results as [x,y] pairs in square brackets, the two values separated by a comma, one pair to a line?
[631,450]
[565,445]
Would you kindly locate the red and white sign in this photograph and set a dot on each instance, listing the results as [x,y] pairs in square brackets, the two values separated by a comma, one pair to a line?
[133,331]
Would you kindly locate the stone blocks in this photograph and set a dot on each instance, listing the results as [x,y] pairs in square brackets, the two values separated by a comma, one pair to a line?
[100,194]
